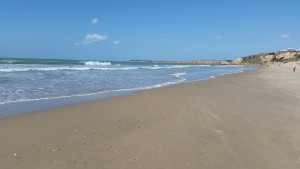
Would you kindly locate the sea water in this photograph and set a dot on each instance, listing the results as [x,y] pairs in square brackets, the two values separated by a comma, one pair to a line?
[35,84]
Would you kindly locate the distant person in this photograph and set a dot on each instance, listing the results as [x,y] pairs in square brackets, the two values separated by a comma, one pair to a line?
[294,69]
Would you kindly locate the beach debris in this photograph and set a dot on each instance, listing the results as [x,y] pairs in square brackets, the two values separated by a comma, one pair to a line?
[75,130]
[133,159]
[15,154]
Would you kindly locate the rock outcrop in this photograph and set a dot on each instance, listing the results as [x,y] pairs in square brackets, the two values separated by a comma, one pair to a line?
[281,57]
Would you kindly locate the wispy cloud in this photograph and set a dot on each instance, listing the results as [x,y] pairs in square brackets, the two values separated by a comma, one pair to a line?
[285,36]
[91,38]
[218,37]
[95,21]
[116,42]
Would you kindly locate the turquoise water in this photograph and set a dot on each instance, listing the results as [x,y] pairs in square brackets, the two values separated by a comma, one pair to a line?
[25,82]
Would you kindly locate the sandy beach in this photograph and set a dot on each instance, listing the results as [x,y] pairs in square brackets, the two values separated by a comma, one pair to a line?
[240,121]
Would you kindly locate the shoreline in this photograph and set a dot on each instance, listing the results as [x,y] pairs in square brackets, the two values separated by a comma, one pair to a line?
[62,101]
[242,120]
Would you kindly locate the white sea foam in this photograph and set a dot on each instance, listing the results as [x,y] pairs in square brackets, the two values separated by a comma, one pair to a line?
[42,69]
[93,63]
[97,93]
[177,74]
[84,68]
[7,61]
[63,68]
[169,83]
[94,66]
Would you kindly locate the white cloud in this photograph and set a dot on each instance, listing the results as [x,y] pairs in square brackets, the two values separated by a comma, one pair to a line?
[90,38]
[116,42]
[218,37]
[95,21]
[285,36]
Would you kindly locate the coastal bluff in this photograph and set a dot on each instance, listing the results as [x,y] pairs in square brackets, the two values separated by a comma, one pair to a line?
[272,58]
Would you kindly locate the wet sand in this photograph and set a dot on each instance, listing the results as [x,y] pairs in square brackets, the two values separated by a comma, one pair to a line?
[240,121]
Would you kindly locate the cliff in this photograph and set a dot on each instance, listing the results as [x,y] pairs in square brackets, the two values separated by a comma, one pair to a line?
[281,57]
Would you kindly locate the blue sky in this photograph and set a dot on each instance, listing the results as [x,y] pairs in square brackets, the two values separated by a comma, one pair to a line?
[140,29]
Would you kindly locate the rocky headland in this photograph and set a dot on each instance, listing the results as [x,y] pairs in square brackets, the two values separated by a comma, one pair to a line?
[289,58]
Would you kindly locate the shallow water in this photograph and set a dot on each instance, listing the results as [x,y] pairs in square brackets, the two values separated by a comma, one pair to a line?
[34,84]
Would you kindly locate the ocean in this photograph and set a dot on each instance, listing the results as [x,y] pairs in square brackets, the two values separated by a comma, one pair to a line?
[34,84]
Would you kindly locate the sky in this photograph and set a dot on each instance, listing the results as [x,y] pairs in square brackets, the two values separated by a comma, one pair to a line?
[147,29]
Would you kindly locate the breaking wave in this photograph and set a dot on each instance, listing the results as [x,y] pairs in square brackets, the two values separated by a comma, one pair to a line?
[89,66]
[177,74]
[92,63]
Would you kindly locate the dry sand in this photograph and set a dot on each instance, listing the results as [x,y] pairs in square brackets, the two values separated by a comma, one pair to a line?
[241,121]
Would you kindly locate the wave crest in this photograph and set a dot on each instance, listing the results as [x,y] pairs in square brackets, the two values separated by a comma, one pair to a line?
[93,63]
[177,74]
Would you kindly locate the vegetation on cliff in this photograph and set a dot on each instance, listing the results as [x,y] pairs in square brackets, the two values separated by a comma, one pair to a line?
[270,58]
